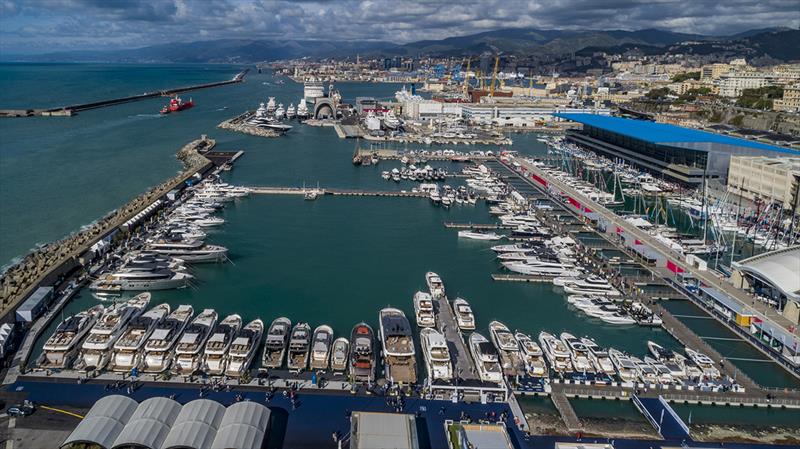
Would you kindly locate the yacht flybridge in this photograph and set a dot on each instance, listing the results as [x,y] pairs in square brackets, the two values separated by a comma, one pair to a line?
[160,344]
[128,348]
[423,309]
[276,342]
[507,347]
[435,284]
[556,352]
[340,355]
[464,316]
[189,350]
[321,347]
[299,345]
[243,349]
[532,355]
[61,348]
[487,362]
[362,353]
[437,355]
[398,347]
[219,343]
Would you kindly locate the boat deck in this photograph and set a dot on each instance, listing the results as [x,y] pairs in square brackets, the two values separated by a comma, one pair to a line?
[464,370]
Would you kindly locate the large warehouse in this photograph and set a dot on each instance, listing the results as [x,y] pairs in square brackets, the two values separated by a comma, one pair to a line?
[118,422]
[678,154]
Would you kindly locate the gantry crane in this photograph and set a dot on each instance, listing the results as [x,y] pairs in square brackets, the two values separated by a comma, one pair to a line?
[494,75]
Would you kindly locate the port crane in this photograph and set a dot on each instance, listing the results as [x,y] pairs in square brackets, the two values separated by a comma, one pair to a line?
[494,75]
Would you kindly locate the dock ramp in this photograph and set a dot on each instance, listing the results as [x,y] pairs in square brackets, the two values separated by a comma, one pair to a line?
[668,424]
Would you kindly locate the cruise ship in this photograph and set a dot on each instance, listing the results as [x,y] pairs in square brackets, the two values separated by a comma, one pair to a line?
[276,342]
[313,89]
[435,284]
[362,353]
[423,309]
[128,347]
[61,348]
[321,342]
[96,350]
[243,349]
[556,353]
[532,355]
[340,355]
[437,355]
[299,345]
[507,347]
[398,346]
[465,319]
[161,342]
[189,351]
[486,360]
[219,343]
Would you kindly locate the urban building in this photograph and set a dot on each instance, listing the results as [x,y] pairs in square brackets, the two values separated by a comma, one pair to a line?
[712,72]
[790,101]
[520,115]
[678,154]
[733,83]
[774,180]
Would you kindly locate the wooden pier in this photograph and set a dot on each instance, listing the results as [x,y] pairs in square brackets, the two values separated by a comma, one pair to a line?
[566,411]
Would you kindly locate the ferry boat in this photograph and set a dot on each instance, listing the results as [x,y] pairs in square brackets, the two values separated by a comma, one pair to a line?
[362,353]
[397,346]
[579,354]
[423,309]
[299,345]
[176,104]
[340,355]
[464,317]
[626,368]
[188,352]
[486,359]
[61,348]
[435,284]
[675,362]
[276,342]
[599,357]
[128,347]
[219,343]
[160,343]
[437,355]
[243,349]
[704,362]
[96,350]
[507,347]
[556,353]
[321,347]
[532,355]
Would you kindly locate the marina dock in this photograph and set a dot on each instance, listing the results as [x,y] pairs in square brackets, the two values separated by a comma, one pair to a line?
[69,110]
[446,323]
[566,411]
[333,191]
[522,277]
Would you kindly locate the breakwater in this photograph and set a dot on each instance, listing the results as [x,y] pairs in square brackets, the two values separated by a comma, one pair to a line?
[69,110]
[52,261]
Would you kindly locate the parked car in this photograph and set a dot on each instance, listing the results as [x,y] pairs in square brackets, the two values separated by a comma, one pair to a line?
[24,409]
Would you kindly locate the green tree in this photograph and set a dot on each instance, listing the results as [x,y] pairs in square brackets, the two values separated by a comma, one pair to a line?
[681,77]
[760,98]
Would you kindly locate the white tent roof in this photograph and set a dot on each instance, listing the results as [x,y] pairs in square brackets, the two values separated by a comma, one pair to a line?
[196,425]
[150,423]
[243,427]
[104,422]
[779,268]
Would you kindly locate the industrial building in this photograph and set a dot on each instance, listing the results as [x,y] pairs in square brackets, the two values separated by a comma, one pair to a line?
[675,153]
[519,115]
[117,421]
[773,180]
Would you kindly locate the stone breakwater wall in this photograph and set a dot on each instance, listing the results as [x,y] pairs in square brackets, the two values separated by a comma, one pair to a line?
[20,279]
[238,124]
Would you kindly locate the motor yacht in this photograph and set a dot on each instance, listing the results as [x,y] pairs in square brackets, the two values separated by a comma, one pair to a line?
[486,359]
[219,343]
[96,350]
[556,353]
[158,349]
[128,347]
[133,279]
[675,362]
[704,362]
[464,316]
[362,353]
[302,110]
[437,355]
[662,372]
[507,348]
[200,254]
[321,342]
[539,267]
[189,350]
[290,111]
[340,355]
[626,368]
[276,342]
[591,286]
[299,345]
[479,235]
[579,354]
[645,371]
[599,357]
[423,309]
[243,349]
[397,346]
[435,284]
[532,355]
[280,113]
[516,247]
[61,349]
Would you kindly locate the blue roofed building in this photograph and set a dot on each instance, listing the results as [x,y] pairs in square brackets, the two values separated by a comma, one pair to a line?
[675,153]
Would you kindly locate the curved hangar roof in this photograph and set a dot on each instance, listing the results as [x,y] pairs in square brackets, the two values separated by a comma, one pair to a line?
[780,268]
[160,423]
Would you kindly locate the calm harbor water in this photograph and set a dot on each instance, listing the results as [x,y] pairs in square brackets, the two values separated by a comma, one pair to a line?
[334,261]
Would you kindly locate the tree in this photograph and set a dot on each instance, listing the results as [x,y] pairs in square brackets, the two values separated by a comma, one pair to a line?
[760,98]
[681,77]
[659,94]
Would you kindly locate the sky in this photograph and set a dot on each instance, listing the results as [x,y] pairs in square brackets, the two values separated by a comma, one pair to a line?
[40,26]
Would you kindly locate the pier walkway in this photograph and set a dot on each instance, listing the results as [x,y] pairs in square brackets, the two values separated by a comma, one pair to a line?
[447,325]
[566,411]
[332,191]
[668,424]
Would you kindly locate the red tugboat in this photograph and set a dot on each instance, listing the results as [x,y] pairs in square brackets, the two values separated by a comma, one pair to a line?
[176,104]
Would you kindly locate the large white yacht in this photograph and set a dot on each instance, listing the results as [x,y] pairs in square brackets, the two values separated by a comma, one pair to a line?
[675,362]
[704,362]
[61,348]
[532,355]
[662,372]
[219,343]
[486,360]
[276,342]
[189,350]
[435,284]
[645,371]
[290,111]
[398,346]
[270,105]
[423,309]
[299,345]
[541,268]
[321,342]
[599,357]
[437,355]
[340,355]
[190,251]
[243,349]
[302,110]
[479,235]
[280,112]
[128,347]
[592,285]
[626,368]
[160,344]
[362,353]
[507,347]
[133,279]
[556,353]
[464,316]
[96,349]
[579,354]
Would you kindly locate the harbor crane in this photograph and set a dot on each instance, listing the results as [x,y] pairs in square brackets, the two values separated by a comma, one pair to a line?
[494,75]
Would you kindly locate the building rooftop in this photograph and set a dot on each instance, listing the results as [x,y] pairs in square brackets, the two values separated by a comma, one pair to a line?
[662,133]
[778,268]
[383,431]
